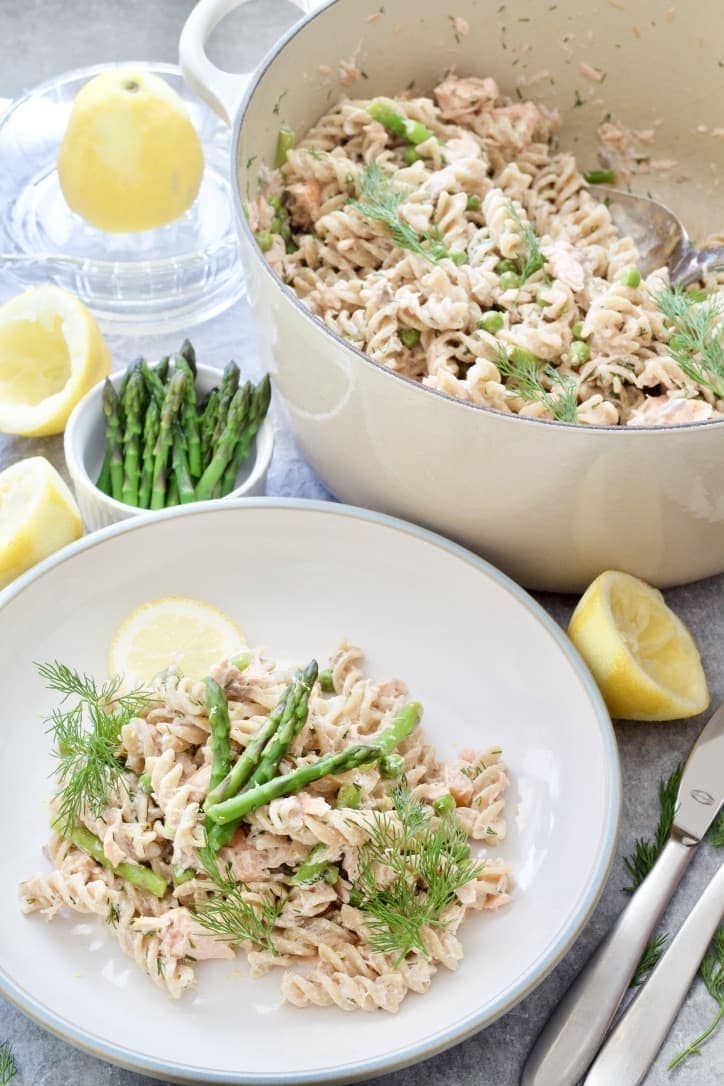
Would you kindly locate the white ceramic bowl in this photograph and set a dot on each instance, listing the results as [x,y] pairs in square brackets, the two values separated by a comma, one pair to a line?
[84,448]
[553,504]
[489,666]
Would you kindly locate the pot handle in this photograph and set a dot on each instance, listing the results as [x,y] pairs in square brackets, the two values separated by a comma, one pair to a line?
[222,90]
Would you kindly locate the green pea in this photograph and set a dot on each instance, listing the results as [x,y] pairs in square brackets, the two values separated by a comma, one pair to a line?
[275,202]
[459,258]
[505,266]
[521,357]
[509,280]
[410,337]
[492,321]
[600,177]
[265,240]
[410,155]
[577,330]
[392,765]
[697,294]
[473,203]
[241,662]
[444,805]
[326,680]
[355,898]
[631,277]
[580,352]
[349,795]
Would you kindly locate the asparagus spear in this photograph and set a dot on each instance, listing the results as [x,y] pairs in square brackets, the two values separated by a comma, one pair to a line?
[150,436]
[138,875]
[103,482]
[314,867]
[133,405]
[175,391]
[249,759]
[181,473]
[285,142]
[218,711]
[172,494]
[207,425]
[188,353]
[225,445]
[257,414]
[293,720]
[127,375]
[394,122]
[237,807]
[154,383]
[161,369]
[227,391]
[114,438]
[190,415]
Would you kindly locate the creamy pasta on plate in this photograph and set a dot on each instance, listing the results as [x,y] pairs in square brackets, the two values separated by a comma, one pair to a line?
[447,238]
[353,881]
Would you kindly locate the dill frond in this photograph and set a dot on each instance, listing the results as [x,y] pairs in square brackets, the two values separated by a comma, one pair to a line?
[646,852]
[533,259]
[697,340]
[711,972]
[649,959]
[524,370]
[228,915]
[8,1067]
[380,201]
[424,867]
[87,737]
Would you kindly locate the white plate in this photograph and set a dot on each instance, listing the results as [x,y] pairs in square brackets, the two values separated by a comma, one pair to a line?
[490,667]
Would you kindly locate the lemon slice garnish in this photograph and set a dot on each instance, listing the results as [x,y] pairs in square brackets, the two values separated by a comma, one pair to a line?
[641,654]
[173,630]
[51,353]
[37,516]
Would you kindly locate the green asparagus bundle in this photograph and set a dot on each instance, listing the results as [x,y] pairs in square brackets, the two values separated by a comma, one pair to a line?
[164,446]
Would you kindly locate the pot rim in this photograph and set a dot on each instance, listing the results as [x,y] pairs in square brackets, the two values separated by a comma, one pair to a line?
[247,235]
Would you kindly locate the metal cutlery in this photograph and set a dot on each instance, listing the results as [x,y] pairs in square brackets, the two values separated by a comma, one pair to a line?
[573,1035]
[632,1045]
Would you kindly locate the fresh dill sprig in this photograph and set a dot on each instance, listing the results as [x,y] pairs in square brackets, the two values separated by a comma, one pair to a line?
[716,833]
[87,736]
[424,866]
[711,972]
[524,370]
[228,915]
[532,259]
[649,959]
[380,201]
[646,852]
[8,1067]
[697,339]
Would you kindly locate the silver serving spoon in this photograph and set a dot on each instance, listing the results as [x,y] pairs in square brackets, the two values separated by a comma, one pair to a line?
[659,236]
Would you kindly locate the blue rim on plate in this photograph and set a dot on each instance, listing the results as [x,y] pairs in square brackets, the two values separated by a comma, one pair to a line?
[470,1024]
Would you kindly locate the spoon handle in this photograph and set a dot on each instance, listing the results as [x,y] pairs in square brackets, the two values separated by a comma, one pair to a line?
[573,1035]
[696,263]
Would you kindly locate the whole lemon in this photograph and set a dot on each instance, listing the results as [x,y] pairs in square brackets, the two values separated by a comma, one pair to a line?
[130,157]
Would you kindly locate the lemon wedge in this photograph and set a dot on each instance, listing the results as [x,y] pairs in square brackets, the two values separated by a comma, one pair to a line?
[51,353]
[641,654]
[173,630]
[37,516]
[130,158]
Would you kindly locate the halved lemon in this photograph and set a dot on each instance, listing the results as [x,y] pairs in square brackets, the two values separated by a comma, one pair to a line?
[641,654]
[51,353]
[37,516]
[190,634]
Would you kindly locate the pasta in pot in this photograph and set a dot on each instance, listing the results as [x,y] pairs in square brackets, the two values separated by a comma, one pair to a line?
[447,239]
[316,929]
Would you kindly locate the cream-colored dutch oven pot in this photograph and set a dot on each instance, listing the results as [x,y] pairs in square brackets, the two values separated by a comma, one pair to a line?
[552,504]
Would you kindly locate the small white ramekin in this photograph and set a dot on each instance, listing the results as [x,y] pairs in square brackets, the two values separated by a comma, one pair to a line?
[84,445]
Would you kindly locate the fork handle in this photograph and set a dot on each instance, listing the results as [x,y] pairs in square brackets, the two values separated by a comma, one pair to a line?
[632,1046]
[574,1033]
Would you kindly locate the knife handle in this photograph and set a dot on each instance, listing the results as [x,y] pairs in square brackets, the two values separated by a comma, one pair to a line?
[574,1033]
[632,1046]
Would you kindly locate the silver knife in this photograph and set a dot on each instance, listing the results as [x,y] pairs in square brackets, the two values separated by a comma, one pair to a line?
[631,1047]
[573,1035]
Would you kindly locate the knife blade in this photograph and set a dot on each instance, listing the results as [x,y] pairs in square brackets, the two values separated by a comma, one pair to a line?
[573,1035]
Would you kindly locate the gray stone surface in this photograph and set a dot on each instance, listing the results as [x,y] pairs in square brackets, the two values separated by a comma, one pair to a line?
[45,37]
